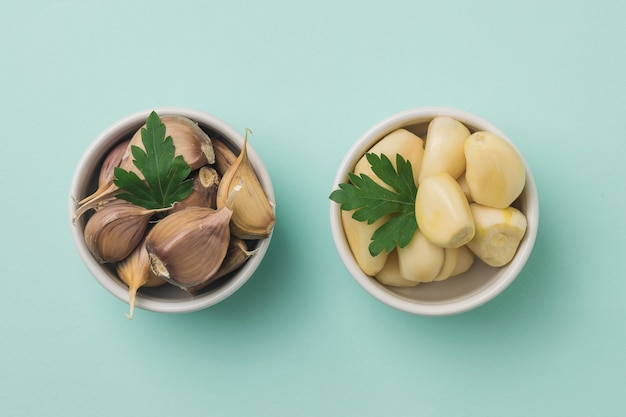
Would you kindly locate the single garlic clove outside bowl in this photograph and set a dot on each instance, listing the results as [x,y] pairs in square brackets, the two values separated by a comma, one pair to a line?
[458,294]
[166,298]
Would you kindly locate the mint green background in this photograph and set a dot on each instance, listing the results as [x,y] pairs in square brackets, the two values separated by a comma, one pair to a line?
[302,338]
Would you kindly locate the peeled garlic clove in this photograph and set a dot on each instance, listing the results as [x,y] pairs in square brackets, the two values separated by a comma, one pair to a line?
[224,156]
[135,272]
[499,232]
[186,248]
[204,193]
[443,150]
[253,213]
[495,171]
[391,275]
[236,255]
[359,236]
[442,212]
[115,230]
[420,260]
[464,261]
[465,188]
[402,142]
[450,258]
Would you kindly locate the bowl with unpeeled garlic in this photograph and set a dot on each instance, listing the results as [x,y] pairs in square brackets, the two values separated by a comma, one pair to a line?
[171,210]
[434,211]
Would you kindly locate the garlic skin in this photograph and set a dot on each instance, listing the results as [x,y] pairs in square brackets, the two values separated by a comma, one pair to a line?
[443,150]
[135,272]
[253,213]
[498,233]
[224,157]
[391,275]
[115,230]
[420,260]
[495,172]
[442,212]
[204,194]
[359,235]
[186,248]
[400,141]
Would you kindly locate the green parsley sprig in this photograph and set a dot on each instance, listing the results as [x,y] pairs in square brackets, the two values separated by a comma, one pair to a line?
[165,174]
[371,201]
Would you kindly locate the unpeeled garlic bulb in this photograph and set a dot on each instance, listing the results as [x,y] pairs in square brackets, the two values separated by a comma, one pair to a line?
[253,213]
[495,172]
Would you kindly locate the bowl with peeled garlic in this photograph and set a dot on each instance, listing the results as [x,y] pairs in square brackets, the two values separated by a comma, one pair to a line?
[171,210]
[434,211]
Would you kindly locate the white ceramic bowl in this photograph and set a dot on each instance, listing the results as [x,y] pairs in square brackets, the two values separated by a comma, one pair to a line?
[167,298]
[464,292]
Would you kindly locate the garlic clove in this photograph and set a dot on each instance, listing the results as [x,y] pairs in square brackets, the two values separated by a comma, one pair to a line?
[450,258]
[359,237]
[400,141]
[420,260]
[442,212]
[224,156]
[236,255]
[443,149]
[187,247]
[115,230]
[391,275]
[499,232]
[495,171]
[105,178]
[253,213]
[135,272]
[464,261]
[204,194]
[465,188]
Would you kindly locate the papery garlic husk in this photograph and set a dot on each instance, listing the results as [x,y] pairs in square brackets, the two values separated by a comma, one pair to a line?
[187,248]
[112,160]
[115,230]
[443,149]
[191,142]
[399,142]
[359,236]
[236,255]
[135,272]
[224,156]
[253,213]
[206,180]
[390,274]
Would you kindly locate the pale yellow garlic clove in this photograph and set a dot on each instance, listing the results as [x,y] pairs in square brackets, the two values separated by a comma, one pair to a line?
[420,260]
[391,275]
[442,212]
[499,232]
[115,230]
[206,181]
[401,141]
[450,258]
[465,188]
[495,171]
[443,149]
[359,236]
[464,262]
[186,248]
[253,213]
[135,272]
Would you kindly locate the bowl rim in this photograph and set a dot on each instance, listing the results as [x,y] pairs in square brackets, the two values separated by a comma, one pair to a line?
[93,154]
[377,290]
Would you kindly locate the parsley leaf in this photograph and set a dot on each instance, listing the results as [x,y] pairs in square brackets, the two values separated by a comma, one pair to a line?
[165,174]
[371,201]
